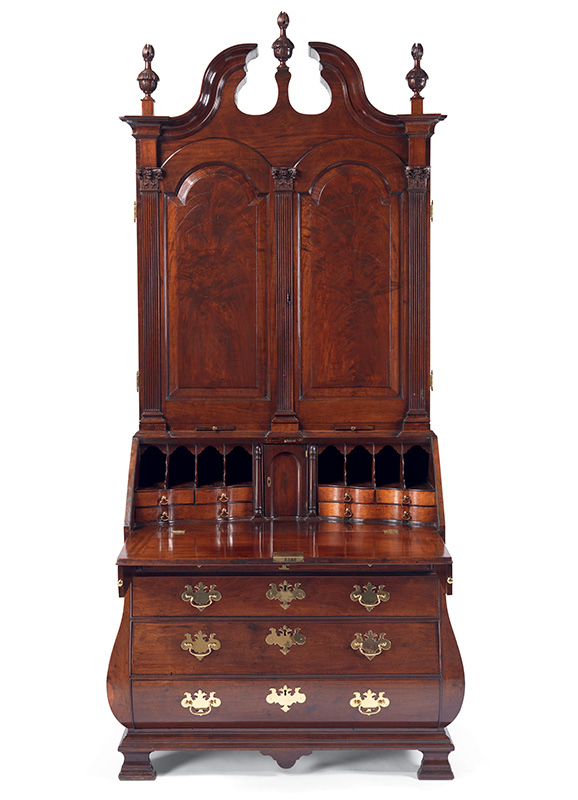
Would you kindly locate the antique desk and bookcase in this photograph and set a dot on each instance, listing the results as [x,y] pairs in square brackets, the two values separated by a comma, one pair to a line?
[284,570]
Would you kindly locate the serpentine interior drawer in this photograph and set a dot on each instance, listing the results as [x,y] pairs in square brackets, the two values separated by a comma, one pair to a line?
[295,595]
[306,646]
[208,702]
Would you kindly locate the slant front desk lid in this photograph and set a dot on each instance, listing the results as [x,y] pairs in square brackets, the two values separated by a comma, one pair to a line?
[278,542]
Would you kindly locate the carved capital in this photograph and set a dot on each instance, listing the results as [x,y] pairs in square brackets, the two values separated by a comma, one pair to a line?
[149,178]
[284,178]
[417,177]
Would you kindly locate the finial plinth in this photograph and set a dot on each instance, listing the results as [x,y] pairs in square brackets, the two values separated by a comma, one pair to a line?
[283,46]
[148,79]
[417,79]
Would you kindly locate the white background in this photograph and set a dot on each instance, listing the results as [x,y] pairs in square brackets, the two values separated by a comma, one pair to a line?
[503,352]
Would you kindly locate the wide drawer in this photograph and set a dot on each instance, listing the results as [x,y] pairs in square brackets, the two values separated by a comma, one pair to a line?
[209,702]
[271,646]
[309,595]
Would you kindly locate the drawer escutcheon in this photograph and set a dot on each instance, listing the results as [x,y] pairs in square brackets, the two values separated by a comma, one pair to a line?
[202,597]
[286,593]
[200,705]
[370,644]
[369,598]
[369,704]
[286,697]
[285,637]
[199,646]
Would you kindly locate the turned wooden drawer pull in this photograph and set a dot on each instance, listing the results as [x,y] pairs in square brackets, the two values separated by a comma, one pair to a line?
[200,705]
[370,703]
[370,644]
[199,646]
[202,597]
[370,597]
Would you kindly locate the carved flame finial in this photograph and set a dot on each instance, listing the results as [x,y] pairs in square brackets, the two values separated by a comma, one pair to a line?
[417,78]
[148,79]
[283,46]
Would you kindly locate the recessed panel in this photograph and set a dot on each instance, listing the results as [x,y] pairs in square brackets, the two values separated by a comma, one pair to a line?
[216,288]
[349,291]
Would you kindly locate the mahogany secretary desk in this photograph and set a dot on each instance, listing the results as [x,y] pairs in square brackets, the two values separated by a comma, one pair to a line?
[284,570]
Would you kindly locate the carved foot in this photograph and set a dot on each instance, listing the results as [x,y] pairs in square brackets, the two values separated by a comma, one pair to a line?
[286,758]
[435,766]
[137,767]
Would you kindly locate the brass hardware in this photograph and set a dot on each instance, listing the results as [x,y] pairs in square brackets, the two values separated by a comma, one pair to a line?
[390,530]
[163,501]
[175,532]
[431,380]
[369,598]
[201,705]
[120,583]
[164,517]
[450,580]
[286,697]
[223,513]
[370,703]
[223,498]
[288,558]
[348,513]
[347,497]
[286,593]
[202,597]
[406,515]
[353,428]
[285,637]
[268,483]
[406,499]
[137,381]
[431,211]
[134,212]
[199,646]
[369,644]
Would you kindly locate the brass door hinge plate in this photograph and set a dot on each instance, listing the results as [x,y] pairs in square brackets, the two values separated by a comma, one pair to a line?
[137,381]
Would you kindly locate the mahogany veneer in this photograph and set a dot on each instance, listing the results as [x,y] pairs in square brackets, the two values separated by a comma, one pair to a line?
[284,569]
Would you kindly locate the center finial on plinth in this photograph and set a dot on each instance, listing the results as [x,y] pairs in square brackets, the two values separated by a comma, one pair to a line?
[283,46]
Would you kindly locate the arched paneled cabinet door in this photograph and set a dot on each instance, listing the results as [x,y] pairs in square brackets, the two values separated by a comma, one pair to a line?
[350,305]
[218,295]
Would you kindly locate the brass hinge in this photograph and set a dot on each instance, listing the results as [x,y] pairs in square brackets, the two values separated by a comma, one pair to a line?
[137,381]
[431,380]
[134,212]
[431,211]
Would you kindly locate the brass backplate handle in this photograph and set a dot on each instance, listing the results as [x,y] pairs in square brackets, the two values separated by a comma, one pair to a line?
[347,497]
[199,645]
[223,498]
[164,500]
[348,513]
[370,703]
[202,596]
[200,705]
[370,644]
[370,597]
[285,593]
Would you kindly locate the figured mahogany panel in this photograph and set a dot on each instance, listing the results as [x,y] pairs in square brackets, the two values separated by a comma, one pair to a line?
[350,308]
[285,490]
[217,300]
